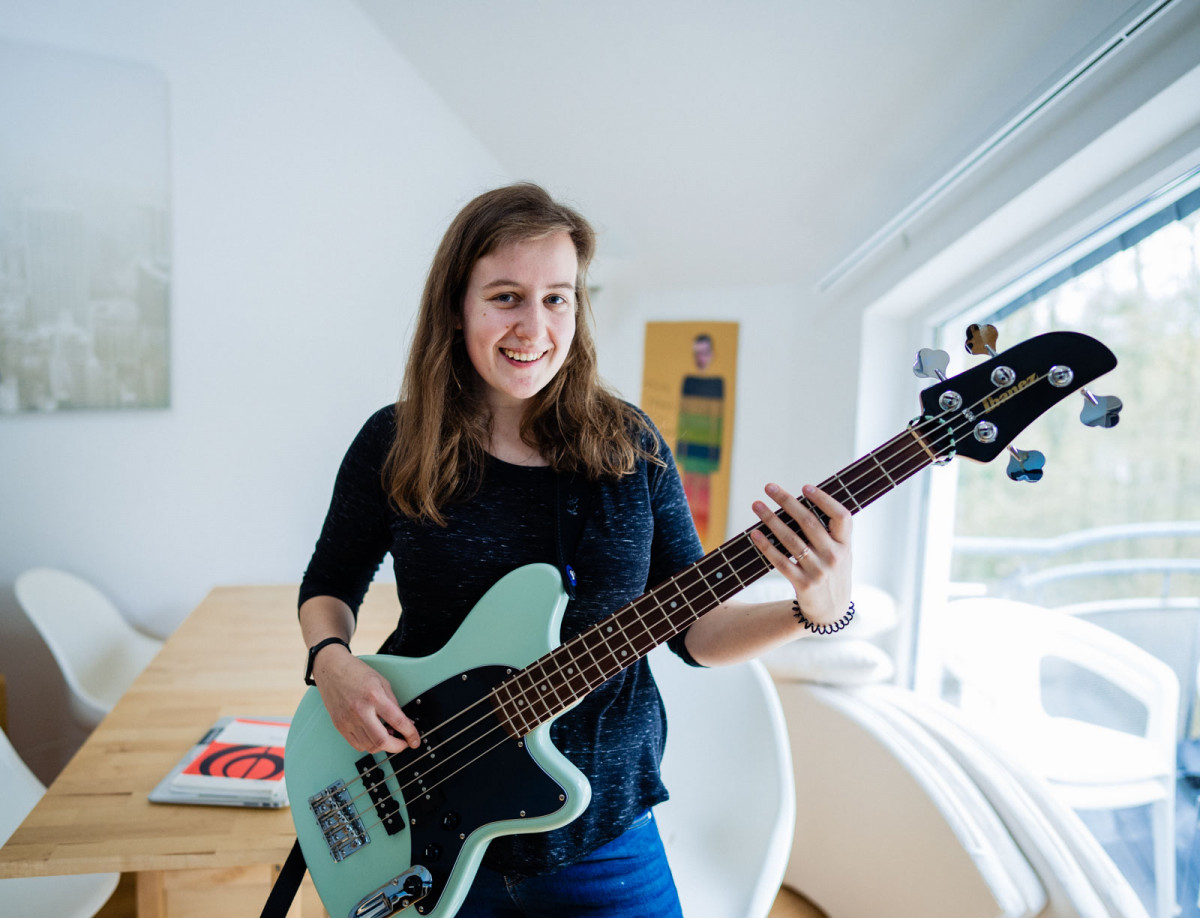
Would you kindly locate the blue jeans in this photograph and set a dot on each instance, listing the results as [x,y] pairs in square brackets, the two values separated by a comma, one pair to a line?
[627,878]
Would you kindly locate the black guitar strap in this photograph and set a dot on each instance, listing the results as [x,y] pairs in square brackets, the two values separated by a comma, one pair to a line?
[287,884]
[572,503]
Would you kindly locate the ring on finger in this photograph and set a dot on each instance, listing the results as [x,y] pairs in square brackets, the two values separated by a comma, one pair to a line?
[803,554]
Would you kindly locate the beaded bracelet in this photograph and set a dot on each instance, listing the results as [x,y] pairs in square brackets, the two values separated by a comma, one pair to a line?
[831,628]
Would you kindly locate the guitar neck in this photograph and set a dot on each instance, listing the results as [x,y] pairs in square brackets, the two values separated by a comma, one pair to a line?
[556,681]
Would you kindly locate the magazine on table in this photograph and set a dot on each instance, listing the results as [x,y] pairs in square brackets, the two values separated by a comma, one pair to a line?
[239,762]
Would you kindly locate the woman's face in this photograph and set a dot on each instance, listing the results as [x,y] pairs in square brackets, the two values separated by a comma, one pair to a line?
[518,317]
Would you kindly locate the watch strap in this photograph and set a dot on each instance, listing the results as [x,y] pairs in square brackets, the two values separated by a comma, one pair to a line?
[312,656]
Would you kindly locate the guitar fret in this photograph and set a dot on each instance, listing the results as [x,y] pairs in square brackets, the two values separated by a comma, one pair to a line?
[594,664]
[504,709]
[546,685]
[841,493]
[530,702]
[640,621]
[575,679]
[883,469]
[606,658]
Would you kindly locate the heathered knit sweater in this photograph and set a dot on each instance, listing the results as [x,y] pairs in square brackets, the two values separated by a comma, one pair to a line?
[638,532]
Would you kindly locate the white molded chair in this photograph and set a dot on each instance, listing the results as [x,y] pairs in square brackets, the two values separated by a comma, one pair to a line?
[98,651]
[996,649]
[63,897]
[728,826]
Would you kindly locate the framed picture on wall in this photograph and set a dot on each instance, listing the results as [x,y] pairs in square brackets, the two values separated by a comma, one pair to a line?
[84,232]
[689,388]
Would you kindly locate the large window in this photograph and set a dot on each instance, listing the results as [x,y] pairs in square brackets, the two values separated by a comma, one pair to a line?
[1144,303]
[1111,534]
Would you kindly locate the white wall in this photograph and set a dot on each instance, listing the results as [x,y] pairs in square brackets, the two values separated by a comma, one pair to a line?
[312,173]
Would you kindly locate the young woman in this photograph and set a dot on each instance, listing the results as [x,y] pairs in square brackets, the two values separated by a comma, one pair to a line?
[462,481]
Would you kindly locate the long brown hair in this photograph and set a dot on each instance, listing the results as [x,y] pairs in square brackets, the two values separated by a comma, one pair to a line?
[442,424]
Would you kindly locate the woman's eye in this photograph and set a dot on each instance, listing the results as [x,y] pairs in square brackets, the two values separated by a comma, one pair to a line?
[505,298]
[555,299]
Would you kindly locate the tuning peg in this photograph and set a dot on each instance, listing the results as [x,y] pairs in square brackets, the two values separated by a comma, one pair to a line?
[1025,466]
[931,364]
[981,340]
[1100,411]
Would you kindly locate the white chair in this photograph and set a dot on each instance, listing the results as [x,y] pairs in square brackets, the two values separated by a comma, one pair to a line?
[63,897]
[98,651]
[728,826]
[996,649]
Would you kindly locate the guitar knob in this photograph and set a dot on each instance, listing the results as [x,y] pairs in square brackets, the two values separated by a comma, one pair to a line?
[981,340]
[1100,411]
[931,364]
[432,852]
[450,821]
[414,885]
[1025,466]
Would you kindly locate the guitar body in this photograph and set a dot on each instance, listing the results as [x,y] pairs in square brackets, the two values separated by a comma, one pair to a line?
[437,812]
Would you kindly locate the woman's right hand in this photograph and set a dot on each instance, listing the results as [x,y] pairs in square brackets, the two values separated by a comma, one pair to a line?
[361,703]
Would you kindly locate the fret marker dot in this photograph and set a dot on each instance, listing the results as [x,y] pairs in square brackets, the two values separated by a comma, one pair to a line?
[610,629]
[543,686]
[719,575]
[624,653]
[673,605]
[570,669]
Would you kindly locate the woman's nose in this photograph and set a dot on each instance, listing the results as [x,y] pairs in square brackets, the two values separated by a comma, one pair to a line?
[530,321]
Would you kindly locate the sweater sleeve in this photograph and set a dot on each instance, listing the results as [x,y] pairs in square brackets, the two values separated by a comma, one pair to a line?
[355,536]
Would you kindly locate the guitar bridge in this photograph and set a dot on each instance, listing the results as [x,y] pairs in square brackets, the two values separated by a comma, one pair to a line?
[338,818]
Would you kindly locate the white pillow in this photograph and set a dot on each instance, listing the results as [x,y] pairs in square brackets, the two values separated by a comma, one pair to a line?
[844,662]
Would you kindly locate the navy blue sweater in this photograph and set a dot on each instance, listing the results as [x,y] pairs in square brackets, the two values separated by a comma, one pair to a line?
[638,532]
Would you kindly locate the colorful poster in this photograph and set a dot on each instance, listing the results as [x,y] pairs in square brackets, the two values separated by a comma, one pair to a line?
[689,388]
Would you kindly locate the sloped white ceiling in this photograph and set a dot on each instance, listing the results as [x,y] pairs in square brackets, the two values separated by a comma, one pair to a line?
[738,142]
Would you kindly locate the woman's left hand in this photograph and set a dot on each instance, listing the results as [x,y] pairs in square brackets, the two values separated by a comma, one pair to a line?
[817,560]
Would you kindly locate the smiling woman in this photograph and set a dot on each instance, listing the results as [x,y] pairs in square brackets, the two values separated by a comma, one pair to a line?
[504,467]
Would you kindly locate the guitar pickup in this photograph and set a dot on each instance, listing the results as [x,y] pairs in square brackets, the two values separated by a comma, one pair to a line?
[386,807]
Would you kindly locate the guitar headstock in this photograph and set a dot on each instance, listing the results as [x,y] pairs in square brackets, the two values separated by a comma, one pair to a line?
[979,412]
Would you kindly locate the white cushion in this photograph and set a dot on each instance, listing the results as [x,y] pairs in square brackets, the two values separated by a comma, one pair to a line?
[844,662]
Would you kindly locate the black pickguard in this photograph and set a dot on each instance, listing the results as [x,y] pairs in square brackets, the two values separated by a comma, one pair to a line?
[477,773]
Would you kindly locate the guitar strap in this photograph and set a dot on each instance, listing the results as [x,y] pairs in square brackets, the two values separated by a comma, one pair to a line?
[572,503]
[286,884]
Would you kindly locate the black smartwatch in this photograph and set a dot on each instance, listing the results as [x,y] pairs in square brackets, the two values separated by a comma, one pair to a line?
[312,656]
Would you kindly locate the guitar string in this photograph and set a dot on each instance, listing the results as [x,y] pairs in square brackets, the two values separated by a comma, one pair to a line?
[911,445]
[913,448]
[919,451]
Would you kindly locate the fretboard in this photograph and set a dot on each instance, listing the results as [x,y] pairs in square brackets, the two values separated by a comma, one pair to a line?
[553,683]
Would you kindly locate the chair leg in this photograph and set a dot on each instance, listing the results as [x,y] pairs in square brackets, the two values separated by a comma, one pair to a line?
[1162,815]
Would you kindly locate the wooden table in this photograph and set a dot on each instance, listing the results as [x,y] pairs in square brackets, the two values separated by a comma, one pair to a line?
[238,653]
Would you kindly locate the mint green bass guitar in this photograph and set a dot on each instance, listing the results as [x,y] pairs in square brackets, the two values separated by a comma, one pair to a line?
[383,834]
